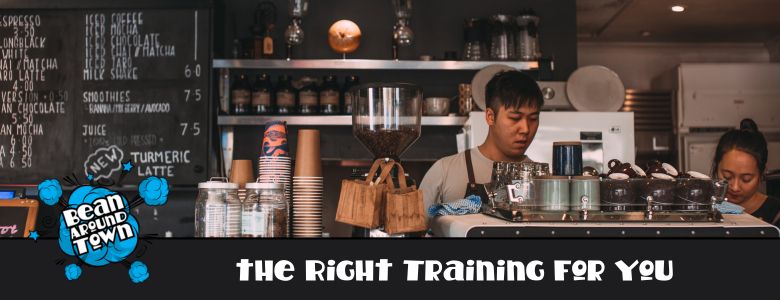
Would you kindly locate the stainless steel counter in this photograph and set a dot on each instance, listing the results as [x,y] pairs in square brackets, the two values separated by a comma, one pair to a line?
[478,225]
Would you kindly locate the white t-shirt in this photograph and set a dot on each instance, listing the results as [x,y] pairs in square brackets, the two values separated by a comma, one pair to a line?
[447,180]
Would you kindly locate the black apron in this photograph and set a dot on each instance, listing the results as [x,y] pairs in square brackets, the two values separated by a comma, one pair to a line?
[474,188]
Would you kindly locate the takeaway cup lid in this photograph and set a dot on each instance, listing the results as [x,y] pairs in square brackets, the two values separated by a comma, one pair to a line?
[218,183]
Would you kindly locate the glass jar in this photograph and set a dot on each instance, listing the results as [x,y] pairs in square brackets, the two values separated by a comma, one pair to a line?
[265,212]
[211,207]
[527,40]
[240,96]
[261,95]
[349,82]
[308,97]
[502,37]
[330,96]
[285,96]
[474,47]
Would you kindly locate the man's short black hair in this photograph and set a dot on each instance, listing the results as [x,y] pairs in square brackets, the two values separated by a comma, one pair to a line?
[512,89]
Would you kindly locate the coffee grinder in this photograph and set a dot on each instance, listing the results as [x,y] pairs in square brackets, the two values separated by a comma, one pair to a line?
[386,120]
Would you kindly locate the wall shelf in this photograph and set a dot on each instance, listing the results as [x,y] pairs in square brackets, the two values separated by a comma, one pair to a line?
[325,120]
[365,64]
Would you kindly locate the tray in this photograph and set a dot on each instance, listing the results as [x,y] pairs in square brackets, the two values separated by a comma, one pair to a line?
[599,216]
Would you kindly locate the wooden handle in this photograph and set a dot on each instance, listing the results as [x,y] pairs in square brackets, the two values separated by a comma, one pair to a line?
[401,174]
[385,175]
[374,168]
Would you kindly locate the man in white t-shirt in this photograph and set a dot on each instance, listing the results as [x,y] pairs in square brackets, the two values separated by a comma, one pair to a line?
[512,114]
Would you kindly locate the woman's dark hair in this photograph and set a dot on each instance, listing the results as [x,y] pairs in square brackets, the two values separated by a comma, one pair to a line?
[512,89]
[746,139]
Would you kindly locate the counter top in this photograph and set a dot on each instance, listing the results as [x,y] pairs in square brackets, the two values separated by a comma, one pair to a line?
[479,225]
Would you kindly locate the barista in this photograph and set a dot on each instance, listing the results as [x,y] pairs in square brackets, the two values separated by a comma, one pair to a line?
[741,159]
[512,115]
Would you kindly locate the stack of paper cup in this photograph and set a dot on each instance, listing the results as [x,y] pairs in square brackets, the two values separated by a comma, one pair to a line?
[241,173]
[307,206]
[275,163]
[307,186]
[276,169]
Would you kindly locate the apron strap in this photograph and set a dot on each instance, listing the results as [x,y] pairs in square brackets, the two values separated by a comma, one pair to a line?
[469,167]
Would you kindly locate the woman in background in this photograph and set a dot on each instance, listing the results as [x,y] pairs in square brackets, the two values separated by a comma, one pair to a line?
[741,159]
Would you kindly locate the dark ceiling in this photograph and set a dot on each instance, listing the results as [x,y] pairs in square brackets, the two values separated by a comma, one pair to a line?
[718,21]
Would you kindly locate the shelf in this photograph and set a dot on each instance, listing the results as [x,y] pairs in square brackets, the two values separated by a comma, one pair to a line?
[365,64]
[324,120]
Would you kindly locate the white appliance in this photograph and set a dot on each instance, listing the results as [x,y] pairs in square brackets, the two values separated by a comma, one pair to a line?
[604,135]
[711,98]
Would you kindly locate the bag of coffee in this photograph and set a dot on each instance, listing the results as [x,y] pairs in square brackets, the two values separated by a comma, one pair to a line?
[404,209]
[361,201]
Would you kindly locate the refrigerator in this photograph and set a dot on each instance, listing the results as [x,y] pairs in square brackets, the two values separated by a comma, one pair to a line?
[604,135]
[711,98]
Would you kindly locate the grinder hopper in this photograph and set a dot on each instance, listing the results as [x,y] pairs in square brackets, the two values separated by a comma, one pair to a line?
[386,117]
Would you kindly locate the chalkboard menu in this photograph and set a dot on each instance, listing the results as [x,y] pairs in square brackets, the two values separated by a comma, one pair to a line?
[82,90]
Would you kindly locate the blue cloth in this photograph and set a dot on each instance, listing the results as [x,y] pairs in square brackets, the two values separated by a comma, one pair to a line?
[726,207]
[470,205]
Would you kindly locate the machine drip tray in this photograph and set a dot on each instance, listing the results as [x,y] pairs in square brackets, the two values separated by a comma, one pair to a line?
[599,216]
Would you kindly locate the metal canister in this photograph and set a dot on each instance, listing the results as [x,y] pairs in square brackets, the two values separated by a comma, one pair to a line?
[585,186]
[465,99]
[567,158]
[552,193]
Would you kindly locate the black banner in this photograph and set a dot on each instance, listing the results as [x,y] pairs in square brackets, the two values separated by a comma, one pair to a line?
[672,268]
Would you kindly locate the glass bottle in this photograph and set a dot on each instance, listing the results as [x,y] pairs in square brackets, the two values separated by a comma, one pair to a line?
[261,95]
[257,46]
[285,96]
[349,82]
[265,22]
[268,43]
[240,96]
[264,212]
[330,96]
[211,207]
[541,169]
[474,48]
[308,97]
